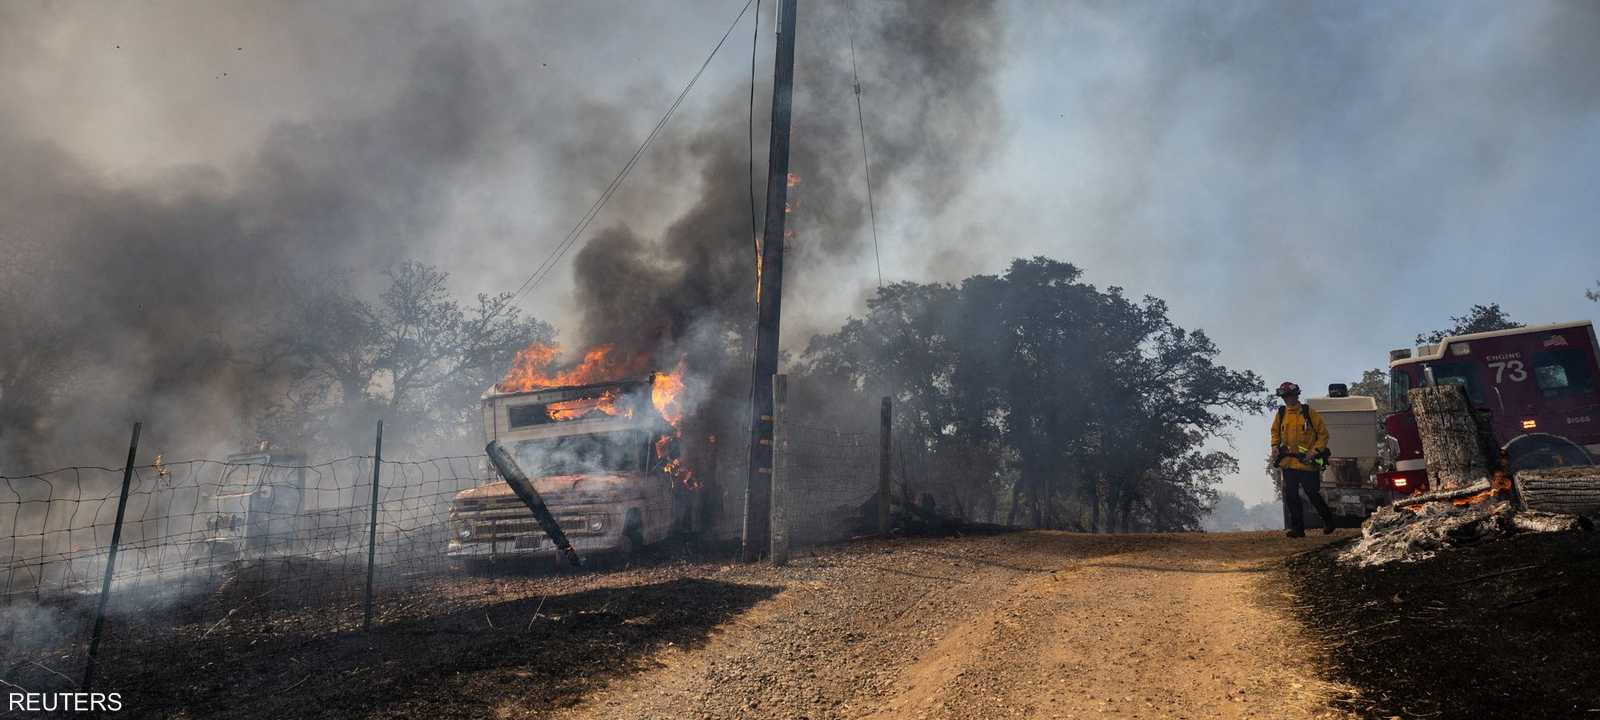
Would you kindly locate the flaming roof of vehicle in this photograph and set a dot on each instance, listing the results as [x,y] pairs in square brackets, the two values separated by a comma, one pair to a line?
[644,380]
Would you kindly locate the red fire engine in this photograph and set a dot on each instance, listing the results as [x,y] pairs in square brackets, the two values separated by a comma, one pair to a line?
[1537,384]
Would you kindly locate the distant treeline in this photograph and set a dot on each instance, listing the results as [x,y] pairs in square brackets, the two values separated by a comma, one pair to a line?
[1030,397]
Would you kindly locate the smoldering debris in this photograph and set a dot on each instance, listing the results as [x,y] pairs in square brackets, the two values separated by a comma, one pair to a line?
[1404,535]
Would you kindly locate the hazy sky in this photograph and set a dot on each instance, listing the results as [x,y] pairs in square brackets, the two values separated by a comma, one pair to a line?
[1310,183]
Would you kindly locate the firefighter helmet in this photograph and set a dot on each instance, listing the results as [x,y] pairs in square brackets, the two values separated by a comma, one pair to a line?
[1288,389]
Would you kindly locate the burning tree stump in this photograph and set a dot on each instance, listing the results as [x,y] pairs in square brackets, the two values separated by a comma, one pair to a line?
[1452,441]
[1570,490]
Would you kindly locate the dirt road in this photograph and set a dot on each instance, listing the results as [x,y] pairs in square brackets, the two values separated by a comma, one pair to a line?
[1011,625]
[1030,624]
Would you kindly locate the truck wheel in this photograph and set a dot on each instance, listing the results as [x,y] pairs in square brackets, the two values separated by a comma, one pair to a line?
[1544,451]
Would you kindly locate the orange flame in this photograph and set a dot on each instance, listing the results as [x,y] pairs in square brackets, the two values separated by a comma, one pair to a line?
[582,407]
[666,393]
[533,368]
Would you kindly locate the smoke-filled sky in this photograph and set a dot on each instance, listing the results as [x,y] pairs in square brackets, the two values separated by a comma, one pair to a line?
[1311,183]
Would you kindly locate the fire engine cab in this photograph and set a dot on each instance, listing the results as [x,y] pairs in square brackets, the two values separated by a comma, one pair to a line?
[1536,385]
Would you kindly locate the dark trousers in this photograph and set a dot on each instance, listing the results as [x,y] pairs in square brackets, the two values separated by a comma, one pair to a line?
[1309,481]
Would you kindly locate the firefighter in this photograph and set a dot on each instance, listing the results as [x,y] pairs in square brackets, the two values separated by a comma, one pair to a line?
[1300,450]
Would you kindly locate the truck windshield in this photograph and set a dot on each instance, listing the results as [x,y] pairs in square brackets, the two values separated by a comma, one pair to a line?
[1459,373]
[611,452]
[1563,372]
[1399,388]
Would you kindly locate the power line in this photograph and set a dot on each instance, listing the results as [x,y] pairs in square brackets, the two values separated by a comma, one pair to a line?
[872,208]
[750,140]
[540,273]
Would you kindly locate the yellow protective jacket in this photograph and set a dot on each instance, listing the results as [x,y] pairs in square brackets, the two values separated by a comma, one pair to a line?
[1289,428]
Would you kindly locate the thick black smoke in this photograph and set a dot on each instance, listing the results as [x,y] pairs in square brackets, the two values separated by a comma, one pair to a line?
[927,72]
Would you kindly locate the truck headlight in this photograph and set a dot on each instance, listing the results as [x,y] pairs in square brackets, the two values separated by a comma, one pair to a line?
[464,531]
[597,523]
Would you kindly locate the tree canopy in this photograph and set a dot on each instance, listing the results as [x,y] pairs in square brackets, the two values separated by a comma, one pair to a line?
[1481,318]
[1035,393]
[416,357]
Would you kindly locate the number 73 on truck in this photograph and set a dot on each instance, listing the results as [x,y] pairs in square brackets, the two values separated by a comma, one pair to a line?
[1536,385]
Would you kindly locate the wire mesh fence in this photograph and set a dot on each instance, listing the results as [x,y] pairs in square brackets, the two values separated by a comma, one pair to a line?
[205,540]
[828,478]
[265,544]
[188,521]
[192,524]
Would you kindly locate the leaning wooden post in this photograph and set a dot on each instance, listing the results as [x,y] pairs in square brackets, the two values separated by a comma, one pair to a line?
[1451,442]
[111,561]
[884,453]
[512,473]
[780,471]
[372,527]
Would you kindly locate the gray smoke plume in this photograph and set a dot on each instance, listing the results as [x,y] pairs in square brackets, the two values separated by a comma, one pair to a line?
[927,73]
[132,283]
[128,300]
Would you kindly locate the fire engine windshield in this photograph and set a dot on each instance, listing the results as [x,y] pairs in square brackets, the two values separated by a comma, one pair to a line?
[1459,373]
[611,452]
[1563,372]
[1399,387]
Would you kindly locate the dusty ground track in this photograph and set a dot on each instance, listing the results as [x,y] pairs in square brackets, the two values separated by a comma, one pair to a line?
[1030,624]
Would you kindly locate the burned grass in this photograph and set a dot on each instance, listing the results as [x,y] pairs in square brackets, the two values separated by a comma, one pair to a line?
[464,647]
[1509,628]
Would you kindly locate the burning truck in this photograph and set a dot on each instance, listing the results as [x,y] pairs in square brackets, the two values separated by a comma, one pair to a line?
[604,454]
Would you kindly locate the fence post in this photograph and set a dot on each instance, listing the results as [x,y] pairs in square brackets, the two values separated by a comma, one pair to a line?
[883,468]
[111,561]
[780,471]
[372,527]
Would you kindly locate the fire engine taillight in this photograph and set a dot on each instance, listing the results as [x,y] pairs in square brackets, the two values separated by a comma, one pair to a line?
[1529,424]
[1400,481]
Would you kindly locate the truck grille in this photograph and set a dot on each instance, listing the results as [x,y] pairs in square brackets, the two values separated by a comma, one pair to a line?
[489,528]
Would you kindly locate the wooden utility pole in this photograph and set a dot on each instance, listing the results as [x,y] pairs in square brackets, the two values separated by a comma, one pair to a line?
[758,490]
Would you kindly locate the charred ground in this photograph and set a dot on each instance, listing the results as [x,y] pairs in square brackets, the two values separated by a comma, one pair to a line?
[1035,623]
[463,647]
[1498,629]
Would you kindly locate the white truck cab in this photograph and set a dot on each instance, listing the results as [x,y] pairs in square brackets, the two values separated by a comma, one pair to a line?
[596,455]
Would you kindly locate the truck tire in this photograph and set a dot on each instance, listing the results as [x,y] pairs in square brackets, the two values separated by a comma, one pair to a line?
[1541,450]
